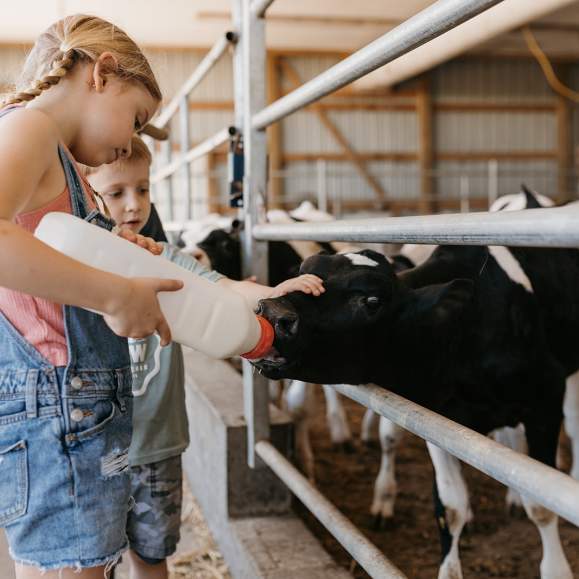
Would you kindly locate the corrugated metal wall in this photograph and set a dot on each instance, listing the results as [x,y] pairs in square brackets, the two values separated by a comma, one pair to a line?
[384,131]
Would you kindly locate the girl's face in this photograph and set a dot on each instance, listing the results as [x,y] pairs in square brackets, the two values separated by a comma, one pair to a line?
[125,190]
[114,110]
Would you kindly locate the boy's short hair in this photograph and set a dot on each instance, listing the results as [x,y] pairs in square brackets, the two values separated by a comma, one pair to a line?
[139,152]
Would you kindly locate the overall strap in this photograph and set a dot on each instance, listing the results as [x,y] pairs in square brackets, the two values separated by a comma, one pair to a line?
[78,201]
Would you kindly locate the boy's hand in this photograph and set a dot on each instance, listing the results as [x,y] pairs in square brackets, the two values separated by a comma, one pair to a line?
[307,283]
[142,241]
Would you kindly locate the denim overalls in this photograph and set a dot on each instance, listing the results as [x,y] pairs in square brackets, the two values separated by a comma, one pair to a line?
[64,437]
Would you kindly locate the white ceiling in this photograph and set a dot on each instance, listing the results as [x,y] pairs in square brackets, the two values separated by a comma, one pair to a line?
[332,25]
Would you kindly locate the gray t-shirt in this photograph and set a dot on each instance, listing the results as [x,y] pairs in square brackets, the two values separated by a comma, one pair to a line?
[160,428]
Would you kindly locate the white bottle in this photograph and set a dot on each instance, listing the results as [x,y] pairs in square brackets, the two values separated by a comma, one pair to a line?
[203,315]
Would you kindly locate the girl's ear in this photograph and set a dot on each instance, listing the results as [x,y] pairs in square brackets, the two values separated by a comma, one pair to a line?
[105,65]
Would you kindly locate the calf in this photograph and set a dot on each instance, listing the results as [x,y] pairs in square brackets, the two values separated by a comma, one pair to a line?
[216,243]
[455,335]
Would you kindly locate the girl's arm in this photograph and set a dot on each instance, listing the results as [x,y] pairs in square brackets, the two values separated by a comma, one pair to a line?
[28,145]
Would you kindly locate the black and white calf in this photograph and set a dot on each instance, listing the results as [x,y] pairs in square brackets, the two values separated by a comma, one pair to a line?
[455,335]
[215,242]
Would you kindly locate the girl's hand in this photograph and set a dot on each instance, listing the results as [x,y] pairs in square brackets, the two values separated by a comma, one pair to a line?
[307,283]
[142,241]
[136,313]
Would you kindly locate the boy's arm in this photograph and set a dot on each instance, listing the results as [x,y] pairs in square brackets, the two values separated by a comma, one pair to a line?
[252,292]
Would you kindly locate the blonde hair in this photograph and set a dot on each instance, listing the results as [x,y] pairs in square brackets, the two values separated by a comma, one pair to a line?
[139,152]
[80,38]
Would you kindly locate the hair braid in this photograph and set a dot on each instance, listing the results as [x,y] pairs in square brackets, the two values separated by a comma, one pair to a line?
[59,68]
[75,39]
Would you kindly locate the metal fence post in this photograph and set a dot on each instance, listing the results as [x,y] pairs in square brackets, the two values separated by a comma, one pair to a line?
[254,253]
[184,141]
[167,154]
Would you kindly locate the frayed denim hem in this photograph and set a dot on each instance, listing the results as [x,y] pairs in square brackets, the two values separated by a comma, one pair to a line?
[108,562]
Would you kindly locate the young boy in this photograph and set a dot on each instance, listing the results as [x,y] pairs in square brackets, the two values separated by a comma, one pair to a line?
[160,429]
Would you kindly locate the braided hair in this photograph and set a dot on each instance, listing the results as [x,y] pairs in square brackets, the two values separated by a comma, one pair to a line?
[80,38]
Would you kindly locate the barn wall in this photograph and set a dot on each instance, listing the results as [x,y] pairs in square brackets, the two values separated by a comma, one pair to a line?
[525,141]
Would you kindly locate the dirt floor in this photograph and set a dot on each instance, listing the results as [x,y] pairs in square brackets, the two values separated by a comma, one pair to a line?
[494,545]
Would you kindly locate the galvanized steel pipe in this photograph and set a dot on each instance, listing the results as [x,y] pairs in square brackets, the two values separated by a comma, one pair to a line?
[208,62]
[196,152]
[552,227]
[424,26]
[259,7]
[549,487]
[362,550]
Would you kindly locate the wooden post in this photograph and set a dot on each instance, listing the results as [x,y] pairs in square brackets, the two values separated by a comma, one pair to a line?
[425,147]
[349,152]
[563,114]
[275,136]
[564,147]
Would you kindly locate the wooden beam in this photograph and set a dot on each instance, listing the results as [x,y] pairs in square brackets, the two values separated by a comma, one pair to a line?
[425,146]
[564,135]
[499,155]
[274,136]
[385,104]
[409,156]
[349,152]
[481,106]
[310,19]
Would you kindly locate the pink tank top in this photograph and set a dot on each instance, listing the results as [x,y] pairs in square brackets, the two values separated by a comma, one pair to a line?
[40,321]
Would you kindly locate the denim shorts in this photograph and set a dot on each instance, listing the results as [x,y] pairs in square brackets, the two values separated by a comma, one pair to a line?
[155,520]
[64,477]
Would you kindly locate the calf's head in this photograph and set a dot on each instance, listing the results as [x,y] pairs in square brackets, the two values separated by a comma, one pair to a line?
[366,314]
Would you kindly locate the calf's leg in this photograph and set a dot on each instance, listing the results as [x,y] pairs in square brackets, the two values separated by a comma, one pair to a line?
[451,508]
[385,488]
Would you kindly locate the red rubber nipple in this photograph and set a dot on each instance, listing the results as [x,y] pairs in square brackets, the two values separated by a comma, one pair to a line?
[265,343]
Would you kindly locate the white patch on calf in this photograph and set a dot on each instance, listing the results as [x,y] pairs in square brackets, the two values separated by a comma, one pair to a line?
[510,266]
[304,249]
[359,259]
[417,253]
[518,202]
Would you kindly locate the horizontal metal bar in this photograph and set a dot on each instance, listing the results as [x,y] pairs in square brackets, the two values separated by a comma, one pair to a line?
[424,26]
[553,227]
[259,7]
[549,487]
[211,58]
[196,152]
[362,550]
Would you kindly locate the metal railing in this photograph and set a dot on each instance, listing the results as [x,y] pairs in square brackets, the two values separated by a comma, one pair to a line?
[555,227]
[180,103]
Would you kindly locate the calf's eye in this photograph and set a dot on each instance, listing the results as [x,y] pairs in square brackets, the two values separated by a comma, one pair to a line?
[372,301]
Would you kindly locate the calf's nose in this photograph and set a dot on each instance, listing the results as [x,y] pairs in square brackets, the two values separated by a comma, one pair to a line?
[286,326]
[281,316]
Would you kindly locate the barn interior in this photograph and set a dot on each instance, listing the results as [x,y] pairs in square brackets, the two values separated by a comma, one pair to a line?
[447,128]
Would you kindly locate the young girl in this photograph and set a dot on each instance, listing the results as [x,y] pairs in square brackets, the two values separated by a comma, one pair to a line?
[65,378]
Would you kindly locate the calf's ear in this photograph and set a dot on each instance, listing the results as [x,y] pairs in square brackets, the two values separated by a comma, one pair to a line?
[444,302]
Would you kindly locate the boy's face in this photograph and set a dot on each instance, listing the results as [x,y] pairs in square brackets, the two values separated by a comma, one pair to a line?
[125,190]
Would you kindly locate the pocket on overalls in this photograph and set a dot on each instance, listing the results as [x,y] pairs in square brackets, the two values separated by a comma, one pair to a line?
[13,482]
[93,417]
[12,411]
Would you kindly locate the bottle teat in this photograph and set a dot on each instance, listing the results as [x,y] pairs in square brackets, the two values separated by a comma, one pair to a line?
[265,343]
